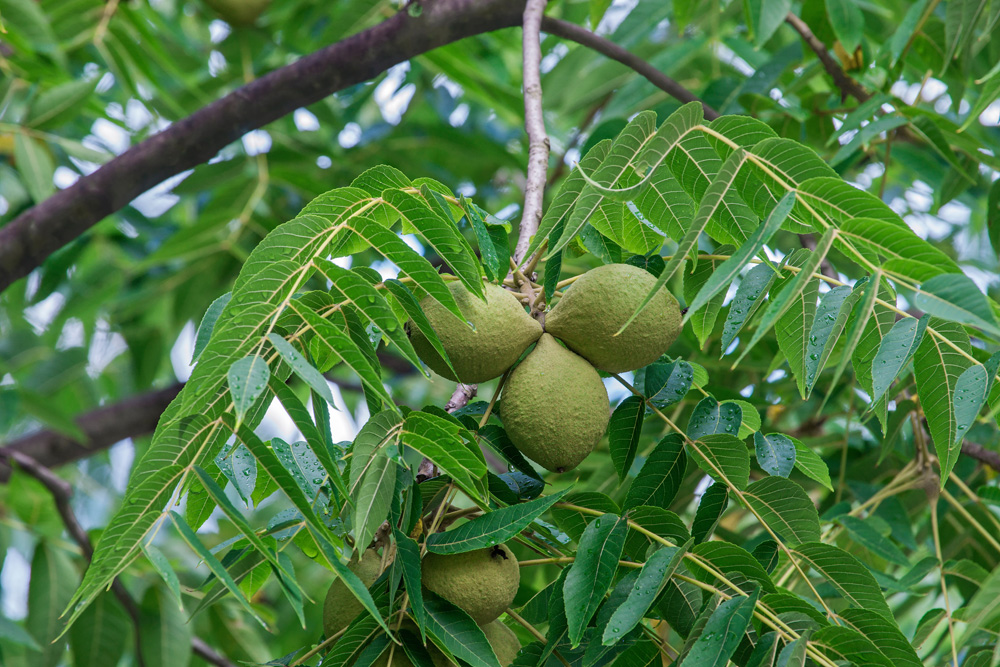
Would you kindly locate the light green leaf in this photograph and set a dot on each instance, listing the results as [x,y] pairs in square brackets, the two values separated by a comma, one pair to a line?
[164,631]
[35,165]
[53,579]
[57,105]
[847,21]
[864,534]
[831,318]
[208,324]
[884,634]
[765,17]
[97,638]
[793,325]
[214,565]
[811,465]
[749,296]
[374,497]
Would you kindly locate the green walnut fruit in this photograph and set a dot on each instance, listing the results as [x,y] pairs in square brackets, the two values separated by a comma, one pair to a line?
[238,12]
[503,330]
[483,582]
[554,406]
[503,640]
[341,607]
[596,306]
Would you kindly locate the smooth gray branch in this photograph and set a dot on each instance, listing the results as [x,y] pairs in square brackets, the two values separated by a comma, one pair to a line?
[534,125]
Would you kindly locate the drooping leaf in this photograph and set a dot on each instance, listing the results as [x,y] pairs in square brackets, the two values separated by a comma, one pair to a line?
[723,632]
[458,632]
[248,379]
[749,296]
[937,365]
[661,475]
[652,578]
[895,351]
[955,297]
[623,433]
[713,504]
[851,579]
[591,574]
[491,528]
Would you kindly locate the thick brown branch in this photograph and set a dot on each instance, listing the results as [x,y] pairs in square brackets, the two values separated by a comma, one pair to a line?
[845,83]
[103,427]
[608,48]
[985,456]
[34,235]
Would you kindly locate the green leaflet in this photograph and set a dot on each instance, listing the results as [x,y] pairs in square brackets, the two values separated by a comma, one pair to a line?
[661,475]
[591,574]
[937,366]
[624,430]
[749,296]
[650,583]
[785,508]
[248,378]
[864,534]
[851,579]
[623,152]
[724,457]
[557,213]
[214,565]
[354,289]
[955,297]
[895,351]
[491,528]
[847,22]
[439,440]
[458,632]
[775,453]
[787,298]
[710,416]
[731,267]
[723,632]
[713,504]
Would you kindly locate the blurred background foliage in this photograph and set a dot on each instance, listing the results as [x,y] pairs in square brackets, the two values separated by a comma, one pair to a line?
[114,313]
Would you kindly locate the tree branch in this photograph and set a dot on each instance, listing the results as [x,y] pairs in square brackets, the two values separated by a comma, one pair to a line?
[846,84]
[608,48]
[985,456]
[534,125]
[134,416]
[34,235]
[61,492]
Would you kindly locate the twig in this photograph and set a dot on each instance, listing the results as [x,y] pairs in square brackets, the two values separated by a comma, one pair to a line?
[461,396]
[534,124]
[608,48]
[61,492]
[846,84]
